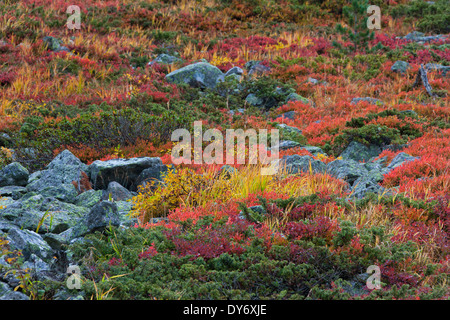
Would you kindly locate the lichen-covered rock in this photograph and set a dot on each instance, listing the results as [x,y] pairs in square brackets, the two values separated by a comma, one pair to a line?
[293,97]
[348,170]
[47,214]
[51,43]
[64,192]
[360,152]
[197,75]
[253,100]
[287,115]
[89,198]
[235,70]
[364,185]
[289,129]
[124,171]
[398,160]
[417,36]
[14,174]
[116,192]
[14,295]
[30,243]
[152,174]
[285,144]
[400,67]
[56,180]
[102,215]
[313,150]
[12,191]
[296,164]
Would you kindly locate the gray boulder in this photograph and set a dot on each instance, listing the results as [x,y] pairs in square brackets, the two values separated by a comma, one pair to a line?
[313,80]
[12,191]
[51,43]
[116,192]
[14,295]
[102,215]
[55,241]
[289,129]
[152,174]
[56,179]
[124,171]
[398,160]
[14,174]
[4,288]
[253,100]
[287,115]
[35,211]
[420,37]
[235,70]
[297,164]
[89,198]
[64,192]
[30,243]
[314,150]
[364,185]
[400,67]
[348,170]
[293,97]
[197,75]
[360,152]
